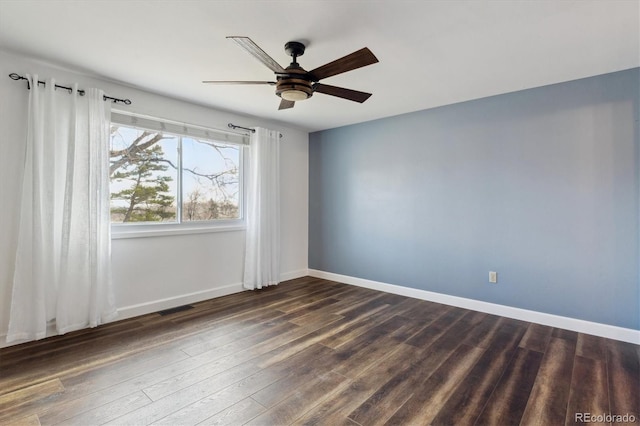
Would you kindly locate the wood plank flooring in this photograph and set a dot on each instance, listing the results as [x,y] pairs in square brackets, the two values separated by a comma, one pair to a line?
[317,352]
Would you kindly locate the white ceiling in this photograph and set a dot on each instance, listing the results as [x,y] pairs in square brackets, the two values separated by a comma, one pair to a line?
[431,53]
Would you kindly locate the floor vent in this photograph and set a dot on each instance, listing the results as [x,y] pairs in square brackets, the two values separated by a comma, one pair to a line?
[175,310]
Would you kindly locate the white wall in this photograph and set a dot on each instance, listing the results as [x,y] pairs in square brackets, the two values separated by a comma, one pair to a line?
[155,272]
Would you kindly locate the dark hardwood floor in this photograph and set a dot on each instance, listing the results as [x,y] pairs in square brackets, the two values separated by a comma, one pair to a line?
[312,351]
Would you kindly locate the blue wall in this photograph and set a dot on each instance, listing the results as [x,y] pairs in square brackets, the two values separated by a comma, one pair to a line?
[540,185]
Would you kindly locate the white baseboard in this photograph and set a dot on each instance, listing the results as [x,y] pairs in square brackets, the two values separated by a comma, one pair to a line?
[150,307]
[292,275]
[171,302]
[573,324]
[184,299]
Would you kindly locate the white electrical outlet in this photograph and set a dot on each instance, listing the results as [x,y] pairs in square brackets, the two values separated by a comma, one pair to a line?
[493,277]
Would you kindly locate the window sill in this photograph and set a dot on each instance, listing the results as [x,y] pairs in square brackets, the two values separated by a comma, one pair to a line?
[165,230]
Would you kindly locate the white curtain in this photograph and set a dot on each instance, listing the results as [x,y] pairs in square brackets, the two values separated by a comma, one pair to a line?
[262,254]
[62,270]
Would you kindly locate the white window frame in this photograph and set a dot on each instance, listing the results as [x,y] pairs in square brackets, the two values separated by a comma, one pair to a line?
[156,229]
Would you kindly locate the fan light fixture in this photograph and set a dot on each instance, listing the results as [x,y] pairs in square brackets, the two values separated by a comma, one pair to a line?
[294,89]
[294,95]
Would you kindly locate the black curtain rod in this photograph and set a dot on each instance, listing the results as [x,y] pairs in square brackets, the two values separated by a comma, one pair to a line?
[248,129]
[16,77]
[233,126]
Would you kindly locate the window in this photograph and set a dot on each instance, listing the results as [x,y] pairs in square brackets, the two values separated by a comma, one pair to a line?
[169,173]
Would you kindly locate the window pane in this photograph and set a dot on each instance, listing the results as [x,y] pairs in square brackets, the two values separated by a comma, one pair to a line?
[143,167]
[210,180]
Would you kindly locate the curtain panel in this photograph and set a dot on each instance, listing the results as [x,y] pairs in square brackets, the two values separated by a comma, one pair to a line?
[62,273]
[262,252]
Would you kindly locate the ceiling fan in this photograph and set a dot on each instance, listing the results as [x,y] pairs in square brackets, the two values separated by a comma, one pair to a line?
[296,84]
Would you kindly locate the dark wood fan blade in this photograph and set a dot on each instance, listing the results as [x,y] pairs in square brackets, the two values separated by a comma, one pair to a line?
[272,83]
[341,92]
[254,50]
[355,60]
[285,104]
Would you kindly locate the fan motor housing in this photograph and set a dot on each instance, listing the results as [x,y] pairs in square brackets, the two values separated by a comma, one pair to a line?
[295,79]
